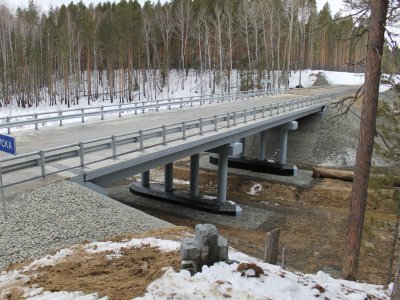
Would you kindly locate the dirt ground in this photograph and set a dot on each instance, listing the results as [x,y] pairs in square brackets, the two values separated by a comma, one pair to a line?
[313,222]
[119,278]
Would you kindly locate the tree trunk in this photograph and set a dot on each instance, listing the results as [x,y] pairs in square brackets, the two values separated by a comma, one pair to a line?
[366,139]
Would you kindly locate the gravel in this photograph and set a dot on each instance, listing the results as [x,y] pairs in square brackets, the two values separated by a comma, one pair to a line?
[60,214]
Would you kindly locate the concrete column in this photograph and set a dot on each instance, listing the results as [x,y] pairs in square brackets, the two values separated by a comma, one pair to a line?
[194,175]
[283,151]
[169,177]
[222,175]
[243,141]
[145,180]
[262,145]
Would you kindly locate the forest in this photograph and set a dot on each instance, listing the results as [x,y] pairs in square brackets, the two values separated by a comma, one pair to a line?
[113,50]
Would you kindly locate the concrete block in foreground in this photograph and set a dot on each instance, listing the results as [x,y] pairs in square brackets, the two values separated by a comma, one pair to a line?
[206,248]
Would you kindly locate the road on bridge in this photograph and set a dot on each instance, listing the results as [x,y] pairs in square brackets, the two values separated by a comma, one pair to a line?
[52,136]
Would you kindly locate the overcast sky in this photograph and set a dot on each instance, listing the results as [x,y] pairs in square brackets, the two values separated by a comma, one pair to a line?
[45,4]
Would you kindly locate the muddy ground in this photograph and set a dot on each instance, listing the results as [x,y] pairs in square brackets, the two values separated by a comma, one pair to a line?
[313,222]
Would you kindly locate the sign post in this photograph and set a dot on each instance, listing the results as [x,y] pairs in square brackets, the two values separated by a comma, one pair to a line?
[2,195]
[7,144]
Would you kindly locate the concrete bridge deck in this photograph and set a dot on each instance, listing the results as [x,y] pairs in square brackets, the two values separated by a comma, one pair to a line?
[100,167]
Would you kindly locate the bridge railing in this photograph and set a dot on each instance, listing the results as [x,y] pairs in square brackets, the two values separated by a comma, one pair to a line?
[60,116]
[84,153]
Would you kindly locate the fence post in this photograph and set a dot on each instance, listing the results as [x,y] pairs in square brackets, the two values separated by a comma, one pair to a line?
[42,164]
[82,112]
[82,154]
[184,130]
[60,115]
[201,126]
[36,123]
[102,115]
[119,113]
[135,108]
[114,146]
[271,246]
[141,139]
[8,128]
[164,134]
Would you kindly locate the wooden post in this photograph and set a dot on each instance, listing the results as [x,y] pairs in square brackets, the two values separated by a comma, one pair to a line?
[396,287]
[271,246]
[284,257]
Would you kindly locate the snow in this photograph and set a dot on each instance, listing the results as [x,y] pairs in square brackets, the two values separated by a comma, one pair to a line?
[255,189]
[222,280]
[49,260]
[163,245]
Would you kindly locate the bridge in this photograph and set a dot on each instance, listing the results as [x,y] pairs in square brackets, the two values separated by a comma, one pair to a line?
[98,153]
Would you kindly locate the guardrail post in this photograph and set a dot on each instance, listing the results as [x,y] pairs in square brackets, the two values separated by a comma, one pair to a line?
[277,108]
[215,123]
[102,115]
[201,126]
[191,101]
[169,106]
[36,123]
[234,118]
[263,111]
[82,112]
[119,113]
[82,154]
[270,110]
[184,130]
[8,128]
[255,113]
[141,140]
[181,105]
[143,107]
[114,146]
[284,106]
[228,119]
[164,134]
[42,163]
[60,115]
[135,109]
[245,115]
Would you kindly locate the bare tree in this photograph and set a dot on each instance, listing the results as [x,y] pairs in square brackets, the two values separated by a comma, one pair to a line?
[366,139]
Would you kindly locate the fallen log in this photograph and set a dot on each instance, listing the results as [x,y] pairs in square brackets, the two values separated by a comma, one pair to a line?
[349,175]
[333,174]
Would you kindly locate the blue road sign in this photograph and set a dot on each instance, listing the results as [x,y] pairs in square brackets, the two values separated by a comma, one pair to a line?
[7,144]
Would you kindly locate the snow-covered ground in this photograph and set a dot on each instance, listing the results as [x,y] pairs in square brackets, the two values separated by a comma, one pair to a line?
[195,84]
[222,280]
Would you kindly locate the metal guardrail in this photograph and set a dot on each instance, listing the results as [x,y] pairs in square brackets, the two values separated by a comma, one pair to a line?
[160,135]
[82,113]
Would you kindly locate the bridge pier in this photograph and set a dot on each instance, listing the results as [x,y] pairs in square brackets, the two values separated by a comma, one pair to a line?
[262,145]
[194,175]
[145,178]
[284,138]
[166,192]
[169,177]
